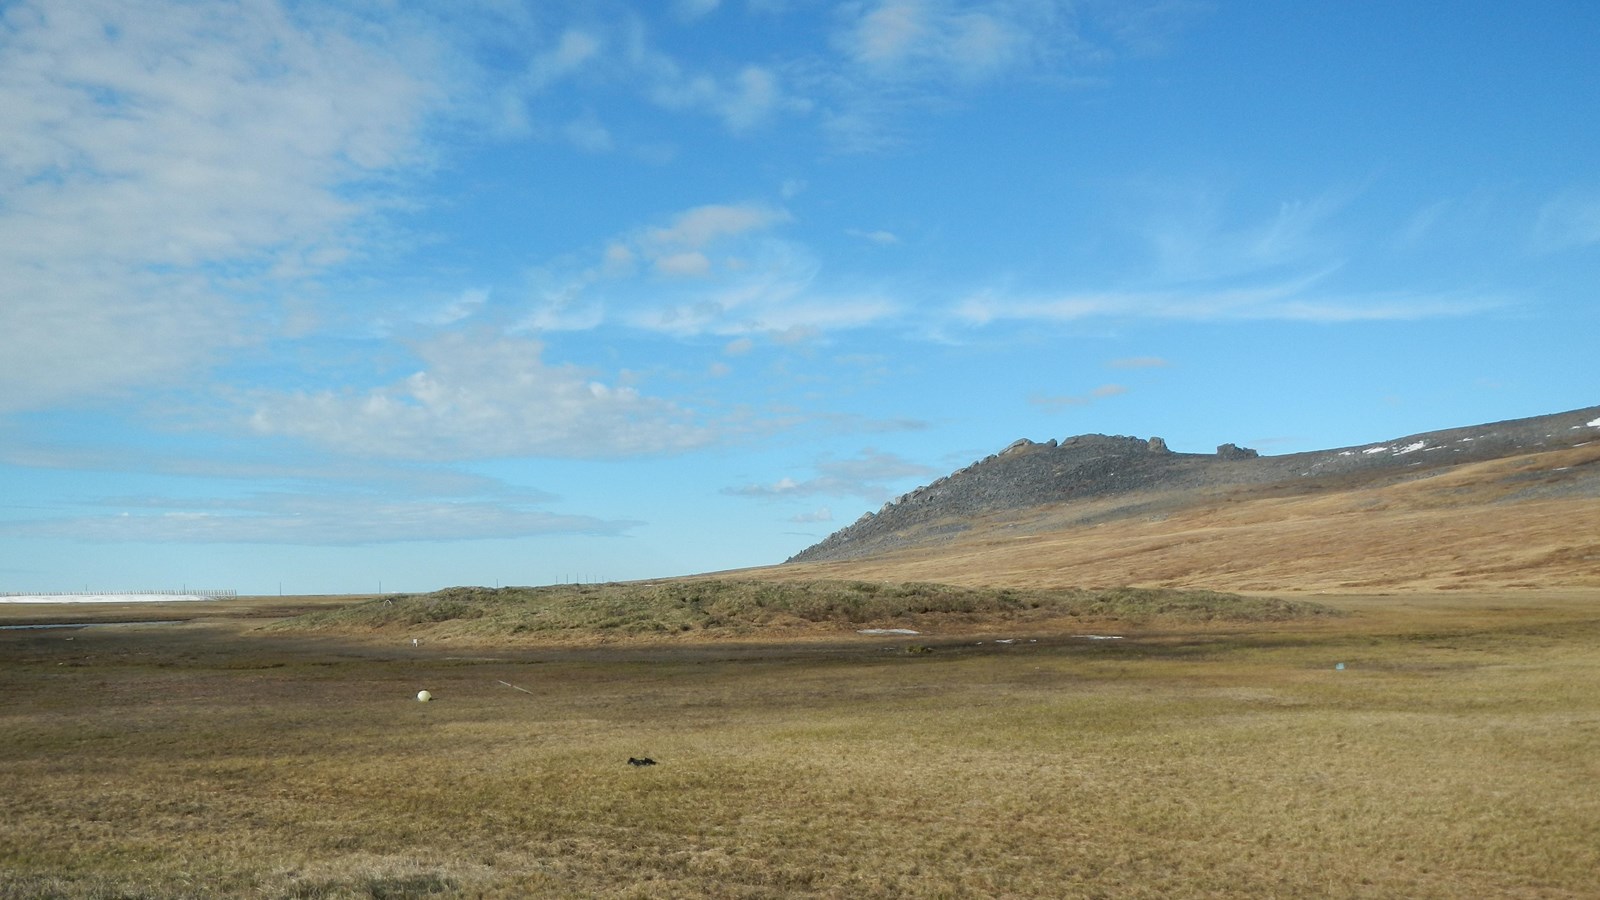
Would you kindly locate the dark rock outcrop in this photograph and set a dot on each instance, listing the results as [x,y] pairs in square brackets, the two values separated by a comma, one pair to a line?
[1138,474]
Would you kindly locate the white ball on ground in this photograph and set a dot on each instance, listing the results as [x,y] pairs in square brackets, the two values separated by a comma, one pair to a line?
[424,696]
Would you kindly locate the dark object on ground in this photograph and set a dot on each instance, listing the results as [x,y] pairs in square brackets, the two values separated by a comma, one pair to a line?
[647,761]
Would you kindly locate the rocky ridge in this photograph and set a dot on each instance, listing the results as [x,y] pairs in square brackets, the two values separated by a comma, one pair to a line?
[1113,476]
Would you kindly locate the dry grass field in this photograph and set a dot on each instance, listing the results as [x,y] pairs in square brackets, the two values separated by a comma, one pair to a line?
[1452,756]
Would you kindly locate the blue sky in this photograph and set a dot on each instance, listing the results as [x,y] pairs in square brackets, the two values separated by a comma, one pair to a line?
[322,297]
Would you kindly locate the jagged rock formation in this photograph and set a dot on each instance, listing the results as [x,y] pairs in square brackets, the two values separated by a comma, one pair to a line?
[1114,477]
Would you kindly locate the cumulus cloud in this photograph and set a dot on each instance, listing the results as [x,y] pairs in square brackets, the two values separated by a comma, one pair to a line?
[697,228]
[718,269]
[820,514]
[742,99]
[480,396]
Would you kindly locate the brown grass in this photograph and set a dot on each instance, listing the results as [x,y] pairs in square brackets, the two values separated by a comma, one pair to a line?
[1344,543]
[1452,757]
[1525,522]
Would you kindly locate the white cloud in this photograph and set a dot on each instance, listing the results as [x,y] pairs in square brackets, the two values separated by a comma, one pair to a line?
[1058,402]
[885,238]
[742,100]
[820,514]
[462,306]
[715,269]
[890,57]
[482,396]
[587,133]
[1194,235]
[1294,300]
[572,52]
[1568,221]
[941,40]
[684,265]
[1139,362]
[698,228]
[694,9]
[929,38]
[868,475]
[155,152]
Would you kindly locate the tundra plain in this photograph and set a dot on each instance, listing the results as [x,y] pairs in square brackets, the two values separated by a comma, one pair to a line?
[1451,756]
[1402,699]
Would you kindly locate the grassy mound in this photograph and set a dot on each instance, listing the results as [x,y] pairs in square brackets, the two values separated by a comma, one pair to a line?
[740,607]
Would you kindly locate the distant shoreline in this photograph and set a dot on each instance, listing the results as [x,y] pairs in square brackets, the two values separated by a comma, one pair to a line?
[104,598]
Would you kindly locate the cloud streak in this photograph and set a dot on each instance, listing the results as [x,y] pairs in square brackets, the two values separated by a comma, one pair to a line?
[1057,403]
[338,519]
[867,476]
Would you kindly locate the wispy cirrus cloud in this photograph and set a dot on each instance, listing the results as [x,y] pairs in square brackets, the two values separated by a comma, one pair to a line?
[164,164]
[1194,259]
[890,56]
[1271,303]
[1567,221]
[341,518]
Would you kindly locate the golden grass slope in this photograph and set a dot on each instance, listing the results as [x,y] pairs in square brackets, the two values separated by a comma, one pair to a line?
[1498,524]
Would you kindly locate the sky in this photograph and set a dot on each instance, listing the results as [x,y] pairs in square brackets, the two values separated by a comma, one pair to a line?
[339,298]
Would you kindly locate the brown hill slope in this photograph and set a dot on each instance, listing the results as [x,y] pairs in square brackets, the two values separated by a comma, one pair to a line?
[1507,505]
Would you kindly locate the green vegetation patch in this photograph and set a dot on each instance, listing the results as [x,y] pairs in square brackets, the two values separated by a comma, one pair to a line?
[675,607]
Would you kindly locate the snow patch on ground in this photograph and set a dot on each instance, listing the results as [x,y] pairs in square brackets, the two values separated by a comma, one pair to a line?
[1371,450]
[1594,424]
[887,631]
[1411,448]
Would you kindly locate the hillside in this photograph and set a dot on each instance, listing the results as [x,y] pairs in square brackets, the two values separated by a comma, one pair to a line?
[1509,504]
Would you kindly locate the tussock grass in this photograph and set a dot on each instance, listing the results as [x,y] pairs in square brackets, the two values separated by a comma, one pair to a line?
[736,607]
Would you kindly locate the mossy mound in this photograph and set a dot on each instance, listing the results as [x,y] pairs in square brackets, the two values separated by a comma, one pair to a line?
[739,607]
